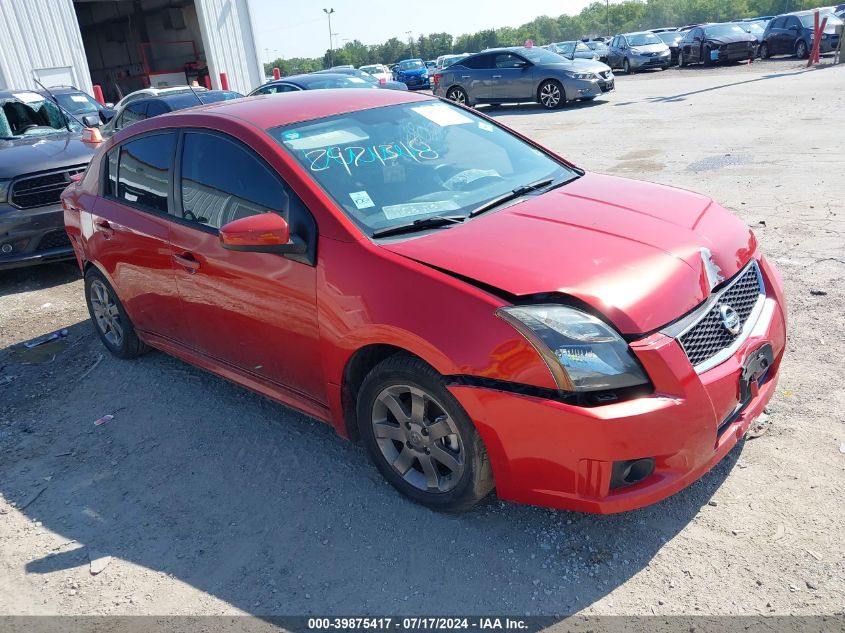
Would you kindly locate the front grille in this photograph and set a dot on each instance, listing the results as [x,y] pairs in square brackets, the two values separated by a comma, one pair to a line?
[709,337]
[40,190]
[53,239]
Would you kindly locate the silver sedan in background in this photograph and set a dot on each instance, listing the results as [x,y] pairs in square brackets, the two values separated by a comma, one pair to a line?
[518,74]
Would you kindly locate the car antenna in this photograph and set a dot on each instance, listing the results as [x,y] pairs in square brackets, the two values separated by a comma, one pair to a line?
[56,101]
[196,95]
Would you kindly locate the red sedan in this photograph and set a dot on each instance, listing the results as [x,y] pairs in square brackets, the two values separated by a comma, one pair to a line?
[477,310]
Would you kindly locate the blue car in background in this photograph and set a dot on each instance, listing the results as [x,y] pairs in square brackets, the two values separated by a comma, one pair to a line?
[413,73]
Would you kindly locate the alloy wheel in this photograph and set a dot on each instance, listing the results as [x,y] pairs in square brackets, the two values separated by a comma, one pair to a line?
[418,438]
[801,52]
[106,313]
[550,95]
[457,95]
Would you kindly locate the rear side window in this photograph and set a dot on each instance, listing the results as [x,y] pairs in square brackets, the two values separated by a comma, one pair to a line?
[144,171]
[154,108]
[478,62]
[222,182]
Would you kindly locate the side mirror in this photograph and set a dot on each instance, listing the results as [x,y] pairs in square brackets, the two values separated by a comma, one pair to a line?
[91,120]
[262,233]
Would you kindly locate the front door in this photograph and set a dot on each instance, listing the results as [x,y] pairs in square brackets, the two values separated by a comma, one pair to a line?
[130,232]
[513,78]
[253,311]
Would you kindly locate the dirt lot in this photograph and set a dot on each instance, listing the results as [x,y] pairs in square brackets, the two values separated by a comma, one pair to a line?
[210,499]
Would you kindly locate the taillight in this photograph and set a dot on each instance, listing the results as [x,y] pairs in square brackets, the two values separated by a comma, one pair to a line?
[435,78]
[382,81]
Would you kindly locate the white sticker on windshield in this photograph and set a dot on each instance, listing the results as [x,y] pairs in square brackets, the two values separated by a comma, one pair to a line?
[410,209]
[27,97]
[78,99]
[362,200]
[442,115]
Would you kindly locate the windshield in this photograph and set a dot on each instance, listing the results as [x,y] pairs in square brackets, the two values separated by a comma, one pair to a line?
[393,165]
[809,21]
[540,55]
[718,30]
[412,64]
[670,37]
[78,103]
[643,39]
[29,114]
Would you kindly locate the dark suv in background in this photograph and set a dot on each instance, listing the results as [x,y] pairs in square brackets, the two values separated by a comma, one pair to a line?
[792,34]
[40,151]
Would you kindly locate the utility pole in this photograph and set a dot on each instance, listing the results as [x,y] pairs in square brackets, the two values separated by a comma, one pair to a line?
[608,18]
[410,42]
[329,12]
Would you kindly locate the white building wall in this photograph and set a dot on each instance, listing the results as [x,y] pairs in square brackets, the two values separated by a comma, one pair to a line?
[41,38]
[230,44]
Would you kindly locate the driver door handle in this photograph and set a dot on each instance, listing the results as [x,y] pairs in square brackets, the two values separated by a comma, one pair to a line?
[464,76]
[188,262]
[497,76]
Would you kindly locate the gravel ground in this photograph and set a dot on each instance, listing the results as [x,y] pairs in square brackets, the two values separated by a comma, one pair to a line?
[202,498]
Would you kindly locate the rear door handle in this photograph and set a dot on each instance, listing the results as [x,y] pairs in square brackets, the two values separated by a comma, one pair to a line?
[464,76]
[497,76]
[105,228]
[188,262]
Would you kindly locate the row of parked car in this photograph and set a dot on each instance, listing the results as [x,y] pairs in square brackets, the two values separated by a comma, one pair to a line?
[710,43]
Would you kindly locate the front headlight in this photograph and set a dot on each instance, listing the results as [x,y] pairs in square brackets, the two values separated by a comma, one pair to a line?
[4,189]
[581,75]
[582,352]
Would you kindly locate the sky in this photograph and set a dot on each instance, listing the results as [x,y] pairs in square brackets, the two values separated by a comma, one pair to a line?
[299,28]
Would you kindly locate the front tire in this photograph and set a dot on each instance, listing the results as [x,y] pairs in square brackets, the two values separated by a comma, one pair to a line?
[626,66]
[110,319]
[801,50]
[550,94]
[681,61]
[419,436]
[764,51]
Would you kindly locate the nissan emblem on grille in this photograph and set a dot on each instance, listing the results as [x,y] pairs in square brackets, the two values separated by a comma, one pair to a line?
[730,319]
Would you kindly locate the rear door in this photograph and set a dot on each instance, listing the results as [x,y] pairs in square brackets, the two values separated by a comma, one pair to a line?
[513,78]
[252,311]
[129,232]
[476,76]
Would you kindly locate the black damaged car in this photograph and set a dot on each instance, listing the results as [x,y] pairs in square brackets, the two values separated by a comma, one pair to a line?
[715,43]
[40,150]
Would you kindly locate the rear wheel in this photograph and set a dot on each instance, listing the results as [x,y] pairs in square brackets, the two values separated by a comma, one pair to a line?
[110,319]
[681,61]
[419,436]
[764,51]
[458,95]
[626,66]
[801,50]
[550,94]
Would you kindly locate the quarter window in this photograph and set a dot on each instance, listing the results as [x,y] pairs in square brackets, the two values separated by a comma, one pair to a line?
[111,167]
[144,174]
[222,182]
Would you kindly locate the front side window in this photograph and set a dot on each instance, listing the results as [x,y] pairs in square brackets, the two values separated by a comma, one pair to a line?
[509,60]
[393,165]
[144,171]
[222,182]
[478,62]
[132,114]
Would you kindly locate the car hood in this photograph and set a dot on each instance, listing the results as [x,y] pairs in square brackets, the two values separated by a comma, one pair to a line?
[650,48]
[641,254]
[393,85]
[26,155]
[732,39]
[420,71]
[578,65]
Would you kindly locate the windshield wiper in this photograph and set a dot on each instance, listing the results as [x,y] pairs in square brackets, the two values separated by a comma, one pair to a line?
[421,224]
[514,194]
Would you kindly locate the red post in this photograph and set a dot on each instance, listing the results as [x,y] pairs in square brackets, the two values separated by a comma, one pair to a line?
[224,81]
[98,94]
[206,79]
[277,74]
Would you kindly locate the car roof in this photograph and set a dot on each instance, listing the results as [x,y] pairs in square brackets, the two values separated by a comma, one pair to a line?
[307,78]
[187,99]
[267,111]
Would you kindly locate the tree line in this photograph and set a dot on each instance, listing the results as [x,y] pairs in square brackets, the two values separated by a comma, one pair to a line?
[596,19]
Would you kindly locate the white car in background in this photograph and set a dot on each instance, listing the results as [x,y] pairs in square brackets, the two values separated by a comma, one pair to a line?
[447,60]
[379,71]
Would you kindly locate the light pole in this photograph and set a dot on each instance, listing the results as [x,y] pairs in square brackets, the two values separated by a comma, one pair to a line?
[410,42]
[329,12]
[608,18]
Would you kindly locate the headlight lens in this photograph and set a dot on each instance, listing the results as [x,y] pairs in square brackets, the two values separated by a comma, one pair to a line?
[582,352]
[4,189]
[582,75]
